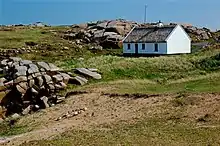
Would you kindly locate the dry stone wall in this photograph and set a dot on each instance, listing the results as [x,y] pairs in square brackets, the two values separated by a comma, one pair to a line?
[28,86]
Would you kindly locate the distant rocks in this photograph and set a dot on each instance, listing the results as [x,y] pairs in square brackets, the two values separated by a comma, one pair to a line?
[28,86]
[104,33]
[198,34]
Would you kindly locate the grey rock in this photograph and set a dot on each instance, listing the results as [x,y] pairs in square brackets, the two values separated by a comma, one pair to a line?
[27,110]
[60,85]
[53,67]
[20,79]
[15,59]
[24,85]
[45,101]
[51,87]
[57,78]
[2,80]
[21,71]
[98,33]
[88,73]
[25,62]
[15,116]
[44,65]
[36,75]
[66,77]
[33,69]
[20,89]
[102,25]
[93,69]
[60,99]
[4,62]
[78,80]
[40,81]
[35,92]
[47,78]
[42,70]
[31,83]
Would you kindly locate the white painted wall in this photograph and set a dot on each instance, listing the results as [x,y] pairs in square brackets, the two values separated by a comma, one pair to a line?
[178,42]
[149,48]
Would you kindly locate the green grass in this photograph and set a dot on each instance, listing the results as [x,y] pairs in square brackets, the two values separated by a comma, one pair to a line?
[154,131]
[7,130]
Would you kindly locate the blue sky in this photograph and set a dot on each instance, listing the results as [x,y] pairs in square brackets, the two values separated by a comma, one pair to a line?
[197,12]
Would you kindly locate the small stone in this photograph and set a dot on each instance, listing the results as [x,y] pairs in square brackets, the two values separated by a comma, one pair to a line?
[20,79]
[24,85]
[15,59]
[27,110]
[51,87]
[2,80]
[40,81]
[36,75]
[75,113]
[66,77]
[4,62]
[21,71]
[57,78]
[85,108]
[37,106]
[15,116]
[31,83]
[25,62]
[42,70]
[44,65]
[33,69]
[34,91]
[47,78]
[45,100]
[20,89]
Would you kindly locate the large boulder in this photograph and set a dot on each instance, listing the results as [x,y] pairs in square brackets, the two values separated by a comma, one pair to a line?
[88,73]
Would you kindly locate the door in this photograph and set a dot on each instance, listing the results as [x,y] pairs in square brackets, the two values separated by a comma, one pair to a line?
[136,48]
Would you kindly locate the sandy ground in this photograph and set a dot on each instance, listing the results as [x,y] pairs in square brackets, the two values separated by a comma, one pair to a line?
[107,109]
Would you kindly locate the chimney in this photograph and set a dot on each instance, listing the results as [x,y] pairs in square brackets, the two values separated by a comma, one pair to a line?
[160,24]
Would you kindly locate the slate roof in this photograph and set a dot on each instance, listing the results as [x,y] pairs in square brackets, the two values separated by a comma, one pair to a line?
[149,34]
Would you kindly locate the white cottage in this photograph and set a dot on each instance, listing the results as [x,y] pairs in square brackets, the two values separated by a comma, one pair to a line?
[157,40]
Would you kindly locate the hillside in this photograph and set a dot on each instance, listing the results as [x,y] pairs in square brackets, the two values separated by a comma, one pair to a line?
[164,100]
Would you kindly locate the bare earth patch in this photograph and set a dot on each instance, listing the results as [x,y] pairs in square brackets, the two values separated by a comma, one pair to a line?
[107,109]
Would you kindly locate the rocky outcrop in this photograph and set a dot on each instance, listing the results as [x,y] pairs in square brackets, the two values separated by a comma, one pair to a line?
[104,33]
[198,34]
[27,86]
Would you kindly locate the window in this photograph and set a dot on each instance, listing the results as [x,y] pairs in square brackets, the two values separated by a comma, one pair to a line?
[143,46]
[129,46]
[155,47]
[136,46]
